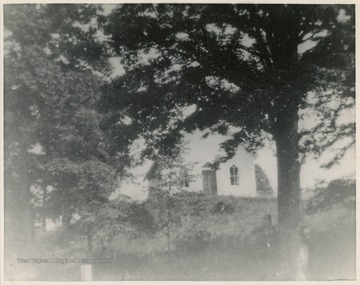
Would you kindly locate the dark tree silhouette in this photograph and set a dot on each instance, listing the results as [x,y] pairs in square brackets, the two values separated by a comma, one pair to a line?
[246,67]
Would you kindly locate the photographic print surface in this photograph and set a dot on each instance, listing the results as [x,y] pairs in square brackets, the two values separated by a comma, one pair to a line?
[179,142]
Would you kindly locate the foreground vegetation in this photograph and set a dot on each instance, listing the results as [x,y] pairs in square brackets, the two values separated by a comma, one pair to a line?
[207,238]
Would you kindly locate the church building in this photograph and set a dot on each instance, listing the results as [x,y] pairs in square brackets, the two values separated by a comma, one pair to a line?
[234,177]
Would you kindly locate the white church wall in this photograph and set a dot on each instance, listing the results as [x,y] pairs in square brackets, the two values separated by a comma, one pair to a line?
[244,161]
[200,152]
[247,182]
[195,184]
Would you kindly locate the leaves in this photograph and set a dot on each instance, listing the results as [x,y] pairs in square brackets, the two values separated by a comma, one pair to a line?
[50,102]
[238,64]
[262,182]
[337,192]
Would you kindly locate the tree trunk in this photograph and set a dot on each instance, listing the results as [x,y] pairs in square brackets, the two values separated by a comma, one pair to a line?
[289,196]
[18,220]
[168,238]
[18,205]
[89,244]
[43,218]
[168,231]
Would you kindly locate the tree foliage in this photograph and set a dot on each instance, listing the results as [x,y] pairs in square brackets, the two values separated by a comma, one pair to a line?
[263,186]
[337,192]
[248,69]
[167,197]
[206,55]
[58,161]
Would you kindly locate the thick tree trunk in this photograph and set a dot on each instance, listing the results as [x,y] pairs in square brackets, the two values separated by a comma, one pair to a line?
[289,196]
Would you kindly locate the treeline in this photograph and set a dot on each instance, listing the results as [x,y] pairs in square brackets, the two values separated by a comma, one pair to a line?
[59,162]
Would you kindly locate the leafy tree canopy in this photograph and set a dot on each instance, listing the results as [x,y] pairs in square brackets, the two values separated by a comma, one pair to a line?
[54,146]
[241,66]
[247,70]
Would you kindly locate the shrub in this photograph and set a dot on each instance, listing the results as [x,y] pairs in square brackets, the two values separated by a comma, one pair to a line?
[223,208]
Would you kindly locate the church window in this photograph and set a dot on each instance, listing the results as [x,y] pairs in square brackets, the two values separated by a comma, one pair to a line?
[234,175]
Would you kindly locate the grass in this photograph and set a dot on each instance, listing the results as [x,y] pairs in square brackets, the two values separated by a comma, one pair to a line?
[221,239]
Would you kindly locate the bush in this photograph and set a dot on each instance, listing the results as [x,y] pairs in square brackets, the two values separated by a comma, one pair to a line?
[340,191]
[223,208]
[141,219]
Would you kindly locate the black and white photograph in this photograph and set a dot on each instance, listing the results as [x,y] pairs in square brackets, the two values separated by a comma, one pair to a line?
[179,142]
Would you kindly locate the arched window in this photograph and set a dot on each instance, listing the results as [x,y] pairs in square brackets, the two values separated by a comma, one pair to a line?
[234,175]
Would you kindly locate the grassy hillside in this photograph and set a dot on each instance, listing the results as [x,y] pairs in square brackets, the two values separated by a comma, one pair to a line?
[190,236]
[216,239]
